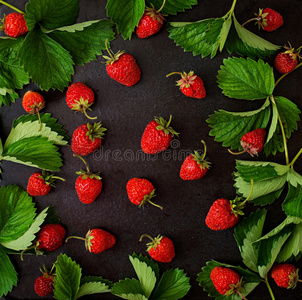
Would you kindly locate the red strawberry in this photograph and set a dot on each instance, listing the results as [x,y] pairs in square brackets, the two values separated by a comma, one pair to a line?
[97,240]
[226,281]
[80,97]
[195,166]
[88,185]
[33,102]
[140,191]
[39,184]
[157,136]
[191,85]
[87,138]
[14,24]
[160,248]
[268,19]
[151,22]
[50,237]
[122,67]
[287,61]
[44,284]
[285,275]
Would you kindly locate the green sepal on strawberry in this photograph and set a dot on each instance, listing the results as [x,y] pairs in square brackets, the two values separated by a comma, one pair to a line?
[14,24]
[97,240]
[285,275]
[157,136]
[44,283]
[160,248]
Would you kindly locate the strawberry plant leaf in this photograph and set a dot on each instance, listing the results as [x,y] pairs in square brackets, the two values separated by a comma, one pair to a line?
[25,240]
[145,275]
[246,78]
[40,50]
[90,288]
[127,287]
[51,217]
[268,198]
[1,148]
[8,275]
[174,284]
[7,96]
[88,279]
[172,7]
[68,276]
[292,204]
[149,262]
[229,127]
[74,39]
[51,14]
[125,14]
[250,280]
[246,233]
[17,212]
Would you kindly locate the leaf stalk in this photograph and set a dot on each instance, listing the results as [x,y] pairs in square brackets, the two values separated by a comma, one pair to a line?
[12,7]
[295,158]
[269,289]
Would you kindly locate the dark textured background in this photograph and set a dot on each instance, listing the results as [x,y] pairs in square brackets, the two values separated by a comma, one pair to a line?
[125,112]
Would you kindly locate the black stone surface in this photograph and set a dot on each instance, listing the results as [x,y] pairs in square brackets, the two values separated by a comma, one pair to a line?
[125,112]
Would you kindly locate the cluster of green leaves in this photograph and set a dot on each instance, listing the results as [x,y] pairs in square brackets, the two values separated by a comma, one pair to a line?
[48,52]
[19,224]
[252,80]
[127,13]
[206,37]
[28,146]
[173,284]
[69,283]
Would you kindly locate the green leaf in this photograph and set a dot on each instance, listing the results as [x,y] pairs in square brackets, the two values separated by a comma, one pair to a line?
[229,127]
[51,217]
[88,279]
[174,284]
[47,120]
[8,275]
[127,287]
[149,262]
[274,123]
[1,148]
[126,14]
[68,278]
[25,240]
[267,198]
[35,152]
[8,96]
[17,212]
[250,280]
[292,204]
[40,50]
[246,79]
[172,7]
[224,33]
[246,233]
[51,14]
[145,275]
[90,288]
[85,40]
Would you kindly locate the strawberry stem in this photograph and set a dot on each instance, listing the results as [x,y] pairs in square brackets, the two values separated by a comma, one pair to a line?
[40,122]
[76,237]
[269,289]
[173,73]
[237,153]
[85,113]
[250,20]
[149,201]
[299,65]
[240,295]
[12,7]
[148,236]
[108,50]
[83,160]
[205,149]
[158,11]
[241,205]
[295,158]
[57,177]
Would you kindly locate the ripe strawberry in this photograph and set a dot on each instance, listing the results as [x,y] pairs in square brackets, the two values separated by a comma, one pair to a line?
[33,102]
[87,138]
[157,136]
[191,85]
[151,22]
[140,191]
[226,281]
[88,185]
[39,184]
[44,284]
[50,237]
[97,240]
[286,61]
[80,97]
[268,19]
[195,166]
[122,67]
[14,24]
[285,275]
[160,248]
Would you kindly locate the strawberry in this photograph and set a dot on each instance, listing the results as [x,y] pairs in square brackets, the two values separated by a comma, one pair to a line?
[195,166]
[33,102]
[285,275]
[88,185]
[287,61]
[87,138]
[44,284]
[39,184]
[226,281]
[97,240]
[151,22]
[122,67]
[50,237]
[191,85]
[157,136]
[140,191]
[160,248]
[80,97]
[14,25]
